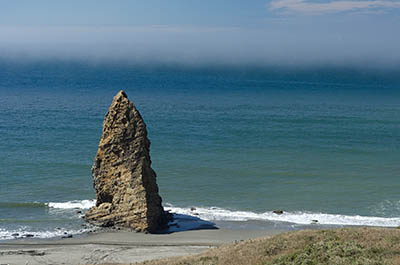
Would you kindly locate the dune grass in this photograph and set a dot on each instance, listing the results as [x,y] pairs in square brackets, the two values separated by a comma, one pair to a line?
[346,246]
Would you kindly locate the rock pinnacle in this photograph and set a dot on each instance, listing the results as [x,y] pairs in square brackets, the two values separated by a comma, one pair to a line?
[125,184]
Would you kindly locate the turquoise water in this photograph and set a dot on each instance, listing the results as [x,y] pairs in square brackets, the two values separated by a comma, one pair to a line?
[234,143]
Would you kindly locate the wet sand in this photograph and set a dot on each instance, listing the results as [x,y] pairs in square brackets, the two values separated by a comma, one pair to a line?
[119,247]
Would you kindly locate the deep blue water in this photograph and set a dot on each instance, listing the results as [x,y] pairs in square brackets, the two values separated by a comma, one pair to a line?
[322,141]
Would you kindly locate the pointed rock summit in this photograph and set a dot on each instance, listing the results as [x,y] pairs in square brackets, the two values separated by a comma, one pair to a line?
[125,183]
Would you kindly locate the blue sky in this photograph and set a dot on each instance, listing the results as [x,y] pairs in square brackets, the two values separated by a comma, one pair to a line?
[235,31]
[131,12]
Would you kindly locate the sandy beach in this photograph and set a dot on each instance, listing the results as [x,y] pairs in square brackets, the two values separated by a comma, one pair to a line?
[119,247]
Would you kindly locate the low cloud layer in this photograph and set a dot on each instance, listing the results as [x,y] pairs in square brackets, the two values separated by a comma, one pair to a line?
[312,7]
[199,45]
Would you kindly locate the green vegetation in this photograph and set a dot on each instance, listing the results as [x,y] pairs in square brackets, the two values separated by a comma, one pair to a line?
[332,250]
[349,246]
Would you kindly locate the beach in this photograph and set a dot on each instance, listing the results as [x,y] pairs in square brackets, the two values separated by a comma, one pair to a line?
[119,246]
[351,245]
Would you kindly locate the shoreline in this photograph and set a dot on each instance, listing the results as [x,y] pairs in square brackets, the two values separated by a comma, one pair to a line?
[120,246]
[185,218]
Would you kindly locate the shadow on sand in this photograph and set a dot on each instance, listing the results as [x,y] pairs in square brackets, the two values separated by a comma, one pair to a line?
[183,222]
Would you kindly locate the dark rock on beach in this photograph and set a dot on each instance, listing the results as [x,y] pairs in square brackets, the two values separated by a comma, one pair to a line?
[125,184]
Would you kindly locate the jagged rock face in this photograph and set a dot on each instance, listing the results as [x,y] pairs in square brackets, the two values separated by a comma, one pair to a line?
[125,183]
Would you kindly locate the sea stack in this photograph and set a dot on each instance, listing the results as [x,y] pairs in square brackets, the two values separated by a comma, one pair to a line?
[125,184]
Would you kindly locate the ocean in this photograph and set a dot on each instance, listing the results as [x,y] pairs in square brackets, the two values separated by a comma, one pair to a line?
[232,143]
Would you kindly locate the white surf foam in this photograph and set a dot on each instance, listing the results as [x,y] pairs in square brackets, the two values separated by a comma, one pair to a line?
[24,231]
[84,204]
[304,218]
[220,214]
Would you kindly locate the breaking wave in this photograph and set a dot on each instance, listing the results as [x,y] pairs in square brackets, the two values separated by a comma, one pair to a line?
[220,214]
[304,218]
[24,232]
[187,218]
[84,204]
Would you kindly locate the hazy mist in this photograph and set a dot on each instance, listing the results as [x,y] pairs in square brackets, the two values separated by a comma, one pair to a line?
[201,45]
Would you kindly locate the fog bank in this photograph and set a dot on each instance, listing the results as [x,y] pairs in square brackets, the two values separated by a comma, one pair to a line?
[198,45]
